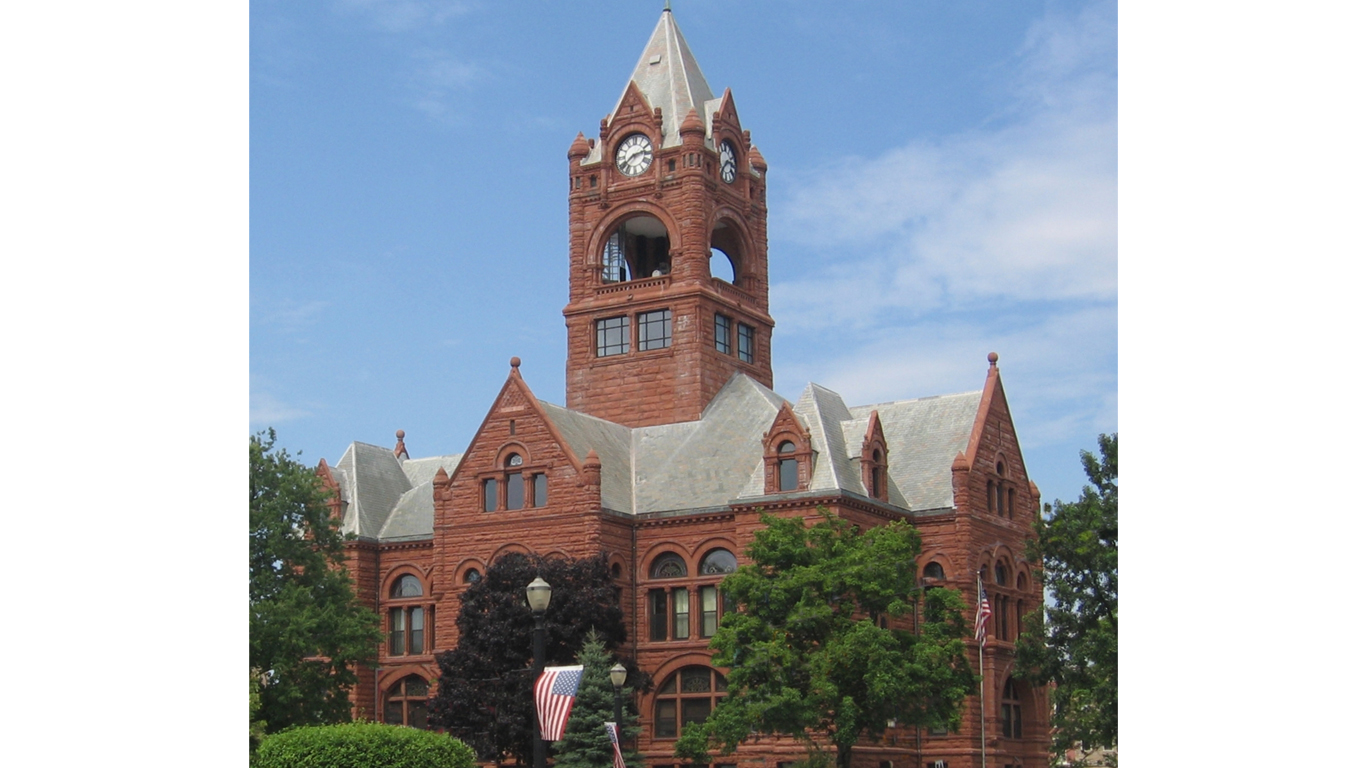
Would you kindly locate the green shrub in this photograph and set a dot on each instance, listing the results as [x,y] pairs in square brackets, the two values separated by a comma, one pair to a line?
[362,745]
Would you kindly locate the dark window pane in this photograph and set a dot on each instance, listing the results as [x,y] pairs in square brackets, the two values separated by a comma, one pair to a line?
[414,685]
[934,571]
[659,616]
[614,337]
[722,334]
[718,561]
[787,474]
[490,495]
[666,719]
[746,343]
[668,566]
[417,714]
[1000,573]
[656,329]
[415,631]
[396,633]
[695,679]
[539,498]
[515,490]
[406,586]
[670,685]
[393,712]
[695,710]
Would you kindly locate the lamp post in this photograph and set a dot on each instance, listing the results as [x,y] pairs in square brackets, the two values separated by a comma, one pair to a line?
[618,674]
[538,597]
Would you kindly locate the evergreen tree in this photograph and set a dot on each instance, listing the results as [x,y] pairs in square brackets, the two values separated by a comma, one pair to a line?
[585,743]
[1074,642]
[308,632]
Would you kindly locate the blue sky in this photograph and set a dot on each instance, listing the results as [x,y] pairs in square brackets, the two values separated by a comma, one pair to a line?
[942,185]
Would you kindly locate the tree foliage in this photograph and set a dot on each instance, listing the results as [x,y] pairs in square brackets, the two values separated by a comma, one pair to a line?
[484,695]
[1074,642]
[308,632]
[806,650]
[585,743]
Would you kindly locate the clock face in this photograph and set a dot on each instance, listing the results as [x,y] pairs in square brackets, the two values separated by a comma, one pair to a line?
[727,162]
[634,154]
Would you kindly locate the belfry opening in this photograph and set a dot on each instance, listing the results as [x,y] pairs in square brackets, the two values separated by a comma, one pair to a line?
[637,248]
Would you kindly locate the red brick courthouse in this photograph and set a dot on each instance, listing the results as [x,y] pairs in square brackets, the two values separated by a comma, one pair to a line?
[671,440]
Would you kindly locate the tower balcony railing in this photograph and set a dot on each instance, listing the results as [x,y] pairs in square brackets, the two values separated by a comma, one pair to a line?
[635,285]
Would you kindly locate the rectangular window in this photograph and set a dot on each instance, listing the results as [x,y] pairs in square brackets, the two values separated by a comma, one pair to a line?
[711,610]
[538,490]
[746,343]
[490,495]
[656,329]
[516,491]
[680,613]
[659,614]
[722,334]
[696,710]
[614,337]
[415,631]
[396,632]
[666,719]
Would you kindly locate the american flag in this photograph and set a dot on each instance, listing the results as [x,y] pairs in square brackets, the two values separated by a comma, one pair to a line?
[555,690]
[983,612]
[617,760]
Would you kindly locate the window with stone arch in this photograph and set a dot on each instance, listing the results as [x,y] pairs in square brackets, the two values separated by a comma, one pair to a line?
[874,459]
[727,253]
[410,614]
[934,571]
[716,564]
[669,606]
[517,485]
[638,248]
[405,702]
[787,454]
[687,696]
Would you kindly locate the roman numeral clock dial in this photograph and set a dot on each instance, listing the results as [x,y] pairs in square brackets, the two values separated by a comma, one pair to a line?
[727,162]
[634,154]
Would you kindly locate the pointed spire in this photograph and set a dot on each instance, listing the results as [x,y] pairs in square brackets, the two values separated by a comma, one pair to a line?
[400,450]
[692,123]
[580,148]
[669,77]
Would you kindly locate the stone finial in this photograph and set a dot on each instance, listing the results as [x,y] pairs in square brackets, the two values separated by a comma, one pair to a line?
[960,463]
[580,148]
[592,468]
[992,357]
[756,160]
[515,362]
[400,450]
[692,123]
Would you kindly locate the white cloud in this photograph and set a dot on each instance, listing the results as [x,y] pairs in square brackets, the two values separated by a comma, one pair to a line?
[268,411]
[437,79]
[1022,210]
[405,15]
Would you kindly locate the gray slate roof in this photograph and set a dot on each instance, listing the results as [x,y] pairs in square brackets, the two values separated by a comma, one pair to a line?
[697,465]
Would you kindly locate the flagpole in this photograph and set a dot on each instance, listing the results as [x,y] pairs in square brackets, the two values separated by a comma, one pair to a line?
[981,681]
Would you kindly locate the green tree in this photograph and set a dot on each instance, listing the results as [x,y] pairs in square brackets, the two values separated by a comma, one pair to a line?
[484,696]
[1073,641]
[585,743]
[258,727]
[308,632]
[805,646]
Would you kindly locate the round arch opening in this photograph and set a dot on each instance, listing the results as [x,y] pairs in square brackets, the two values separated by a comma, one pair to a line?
[637,248]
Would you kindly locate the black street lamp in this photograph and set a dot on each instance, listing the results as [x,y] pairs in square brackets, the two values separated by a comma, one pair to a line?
[538,597]
[618,674]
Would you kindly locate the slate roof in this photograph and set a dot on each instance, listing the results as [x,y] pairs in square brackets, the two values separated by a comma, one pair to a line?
[698,465]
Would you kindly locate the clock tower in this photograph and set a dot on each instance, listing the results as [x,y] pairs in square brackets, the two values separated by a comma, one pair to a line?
[668,248]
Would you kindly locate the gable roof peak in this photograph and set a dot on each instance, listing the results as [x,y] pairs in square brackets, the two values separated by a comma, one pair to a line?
[669,78]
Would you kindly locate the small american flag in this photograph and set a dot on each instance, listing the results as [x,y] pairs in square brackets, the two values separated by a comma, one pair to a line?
[617,760]
[983,612]
[555,691]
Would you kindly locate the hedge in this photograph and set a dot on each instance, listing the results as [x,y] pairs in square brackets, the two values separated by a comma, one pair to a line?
[362,745]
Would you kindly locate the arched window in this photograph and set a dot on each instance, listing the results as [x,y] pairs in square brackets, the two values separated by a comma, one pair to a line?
[991,495]
[1001,575]
[670,617]
[1012,724]
[407,623]
[718,561]
[934,571]
[405,703]
[639,248]
[875,473]
[473,576]
[508,489]
[688,696]
[787,466]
